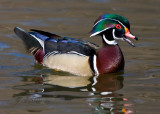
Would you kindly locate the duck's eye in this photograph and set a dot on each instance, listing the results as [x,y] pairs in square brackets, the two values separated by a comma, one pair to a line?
[118,26]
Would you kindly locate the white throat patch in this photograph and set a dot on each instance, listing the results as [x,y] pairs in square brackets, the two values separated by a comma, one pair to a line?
[113,42]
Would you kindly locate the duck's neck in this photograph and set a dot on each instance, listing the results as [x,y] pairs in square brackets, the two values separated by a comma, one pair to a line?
[110,59]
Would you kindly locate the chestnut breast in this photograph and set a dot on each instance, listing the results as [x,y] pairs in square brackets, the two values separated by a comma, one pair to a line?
[110,59]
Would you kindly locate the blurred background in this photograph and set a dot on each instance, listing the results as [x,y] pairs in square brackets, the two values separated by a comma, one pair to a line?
[26,87]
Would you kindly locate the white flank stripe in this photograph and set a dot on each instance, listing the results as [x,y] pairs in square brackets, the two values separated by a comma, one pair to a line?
[51,53]
[74,52]
[95,65]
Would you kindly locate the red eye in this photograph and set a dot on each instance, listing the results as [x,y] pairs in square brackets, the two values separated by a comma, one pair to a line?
[118,26]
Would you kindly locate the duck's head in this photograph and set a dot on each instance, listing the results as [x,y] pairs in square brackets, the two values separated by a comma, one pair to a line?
[113,27]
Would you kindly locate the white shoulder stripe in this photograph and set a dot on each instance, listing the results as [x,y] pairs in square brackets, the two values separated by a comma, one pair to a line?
[95,65]
[50,53]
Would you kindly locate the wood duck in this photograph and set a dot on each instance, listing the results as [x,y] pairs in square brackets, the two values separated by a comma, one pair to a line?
[81,57]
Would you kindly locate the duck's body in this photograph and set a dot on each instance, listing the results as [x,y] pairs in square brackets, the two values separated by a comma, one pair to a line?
[78,57]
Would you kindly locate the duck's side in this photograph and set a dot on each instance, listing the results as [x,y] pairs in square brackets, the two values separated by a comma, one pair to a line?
[69,62]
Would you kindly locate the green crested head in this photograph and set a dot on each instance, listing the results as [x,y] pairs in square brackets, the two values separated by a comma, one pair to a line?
[114,25]
[116,17]
[108,21]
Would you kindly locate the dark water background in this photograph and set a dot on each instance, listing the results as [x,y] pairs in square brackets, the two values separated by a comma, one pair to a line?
[27,88]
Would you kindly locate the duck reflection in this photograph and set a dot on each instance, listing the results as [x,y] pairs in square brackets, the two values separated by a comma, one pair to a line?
[106,101]
[108,83]
[101,83]
[99,90]
[67,81]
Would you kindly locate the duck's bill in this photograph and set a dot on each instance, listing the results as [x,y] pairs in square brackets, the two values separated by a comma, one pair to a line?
[129,35]
[128,41]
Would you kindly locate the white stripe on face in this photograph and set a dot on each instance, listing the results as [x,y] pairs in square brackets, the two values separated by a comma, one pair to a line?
[114,36]
[113,42]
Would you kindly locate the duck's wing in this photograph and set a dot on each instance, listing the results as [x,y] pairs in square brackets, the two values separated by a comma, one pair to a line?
[90,44]
[64,44]
[50,43]
[55,36]
[68,45]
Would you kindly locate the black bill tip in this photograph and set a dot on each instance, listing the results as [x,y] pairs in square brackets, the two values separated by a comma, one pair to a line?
[136,38]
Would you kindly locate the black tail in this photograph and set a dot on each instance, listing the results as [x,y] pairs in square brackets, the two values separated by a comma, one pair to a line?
[32,45]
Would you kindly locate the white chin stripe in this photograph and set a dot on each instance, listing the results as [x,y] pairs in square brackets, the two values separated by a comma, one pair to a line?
[113,42]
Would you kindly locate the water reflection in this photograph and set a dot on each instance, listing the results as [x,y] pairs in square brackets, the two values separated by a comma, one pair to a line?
[106,101]
[67,81]
[98,91]
[108,83]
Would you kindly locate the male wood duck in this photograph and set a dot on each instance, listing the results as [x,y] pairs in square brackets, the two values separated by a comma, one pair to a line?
[81,57]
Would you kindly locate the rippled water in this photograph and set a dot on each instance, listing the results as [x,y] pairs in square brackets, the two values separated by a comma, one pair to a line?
[26,87]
